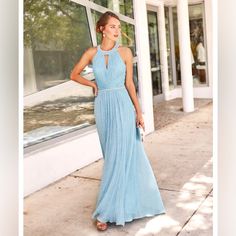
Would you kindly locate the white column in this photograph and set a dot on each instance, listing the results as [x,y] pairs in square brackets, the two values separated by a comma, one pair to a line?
[163,50]
[144,67]
[185,55]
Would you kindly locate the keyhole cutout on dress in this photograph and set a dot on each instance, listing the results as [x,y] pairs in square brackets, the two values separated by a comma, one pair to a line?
[106,58]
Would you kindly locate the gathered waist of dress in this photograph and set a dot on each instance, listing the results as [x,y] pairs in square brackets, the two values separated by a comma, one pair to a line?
[110,89]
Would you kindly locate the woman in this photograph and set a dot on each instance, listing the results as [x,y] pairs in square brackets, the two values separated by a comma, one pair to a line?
[128,188]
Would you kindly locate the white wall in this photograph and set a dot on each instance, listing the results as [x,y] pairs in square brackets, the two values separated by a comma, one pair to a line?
[51,160]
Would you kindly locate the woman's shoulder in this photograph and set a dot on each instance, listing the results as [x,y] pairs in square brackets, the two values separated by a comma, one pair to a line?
[126,51]
[90,52]
[124,48]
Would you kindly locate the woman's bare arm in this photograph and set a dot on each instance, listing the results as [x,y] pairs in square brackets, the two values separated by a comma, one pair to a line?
[78,68]
[129,83]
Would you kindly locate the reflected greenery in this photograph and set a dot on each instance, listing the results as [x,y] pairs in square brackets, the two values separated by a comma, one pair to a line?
[61,23]
[124,7]
[56,33]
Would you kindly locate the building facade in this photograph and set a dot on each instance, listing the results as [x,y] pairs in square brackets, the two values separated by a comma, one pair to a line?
[171,43]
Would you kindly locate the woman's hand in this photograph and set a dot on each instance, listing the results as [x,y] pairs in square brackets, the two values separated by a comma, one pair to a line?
[140,121]
[95,89]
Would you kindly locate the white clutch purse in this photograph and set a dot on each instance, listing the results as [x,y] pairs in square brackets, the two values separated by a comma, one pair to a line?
[142,134]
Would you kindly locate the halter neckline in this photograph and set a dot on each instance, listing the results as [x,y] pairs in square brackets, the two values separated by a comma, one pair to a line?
[108,51]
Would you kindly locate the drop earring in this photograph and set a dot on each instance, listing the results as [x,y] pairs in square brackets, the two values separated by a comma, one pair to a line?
[103,35]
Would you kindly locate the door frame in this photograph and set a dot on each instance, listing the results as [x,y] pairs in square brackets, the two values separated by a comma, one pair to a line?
[159,97]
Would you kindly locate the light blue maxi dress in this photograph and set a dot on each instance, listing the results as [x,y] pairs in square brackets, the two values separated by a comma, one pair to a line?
[128,187]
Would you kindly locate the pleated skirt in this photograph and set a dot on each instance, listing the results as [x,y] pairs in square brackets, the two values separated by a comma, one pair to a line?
[128,187]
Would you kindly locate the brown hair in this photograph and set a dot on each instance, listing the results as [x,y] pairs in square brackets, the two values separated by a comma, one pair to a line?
[103,20]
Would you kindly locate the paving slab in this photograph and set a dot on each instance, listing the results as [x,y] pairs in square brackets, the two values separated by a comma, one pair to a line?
[211,193]
[92,170]
[169,112]
[65,208]
[201,222]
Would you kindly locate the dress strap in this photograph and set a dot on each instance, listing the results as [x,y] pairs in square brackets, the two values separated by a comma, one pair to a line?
[108,51]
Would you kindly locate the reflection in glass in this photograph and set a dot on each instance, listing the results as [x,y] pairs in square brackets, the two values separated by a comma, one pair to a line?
[135,77]
[154,52]
[55,36]
[197,43]
[128,36]
[198,46]
[124,7]
[168,46]
[56,33]
[176,41]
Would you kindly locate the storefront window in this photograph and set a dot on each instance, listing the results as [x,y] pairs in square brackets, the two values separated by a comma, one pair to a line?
[176,49]
[154,52]
[55,36]
[56,33]
[198,44]
[128,36]
[124,7]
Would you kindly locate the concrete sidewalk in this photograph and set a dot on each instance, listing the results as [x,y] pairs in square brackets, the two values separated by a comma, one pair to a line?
[180,153]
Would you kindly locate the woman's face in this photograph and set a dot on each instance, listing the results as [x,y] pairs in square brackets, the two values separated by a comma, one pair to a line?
[112,29]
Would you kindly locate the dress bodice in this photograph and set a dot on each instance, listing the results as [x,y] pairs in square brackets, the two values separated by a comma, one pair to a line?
[111,75]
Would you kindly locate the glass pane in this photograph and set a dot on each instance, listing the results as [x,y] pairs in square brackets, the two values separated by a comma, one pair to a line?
[127,33]
[154,52]
[198,46]
[168,45]
[128,36]
[135,77]
[198,43]
[176,40]
[56,34]
[124,7]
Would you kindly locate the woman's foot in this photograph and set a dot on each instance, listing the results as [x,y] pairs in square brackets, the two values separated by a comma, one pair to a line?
[101,226]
